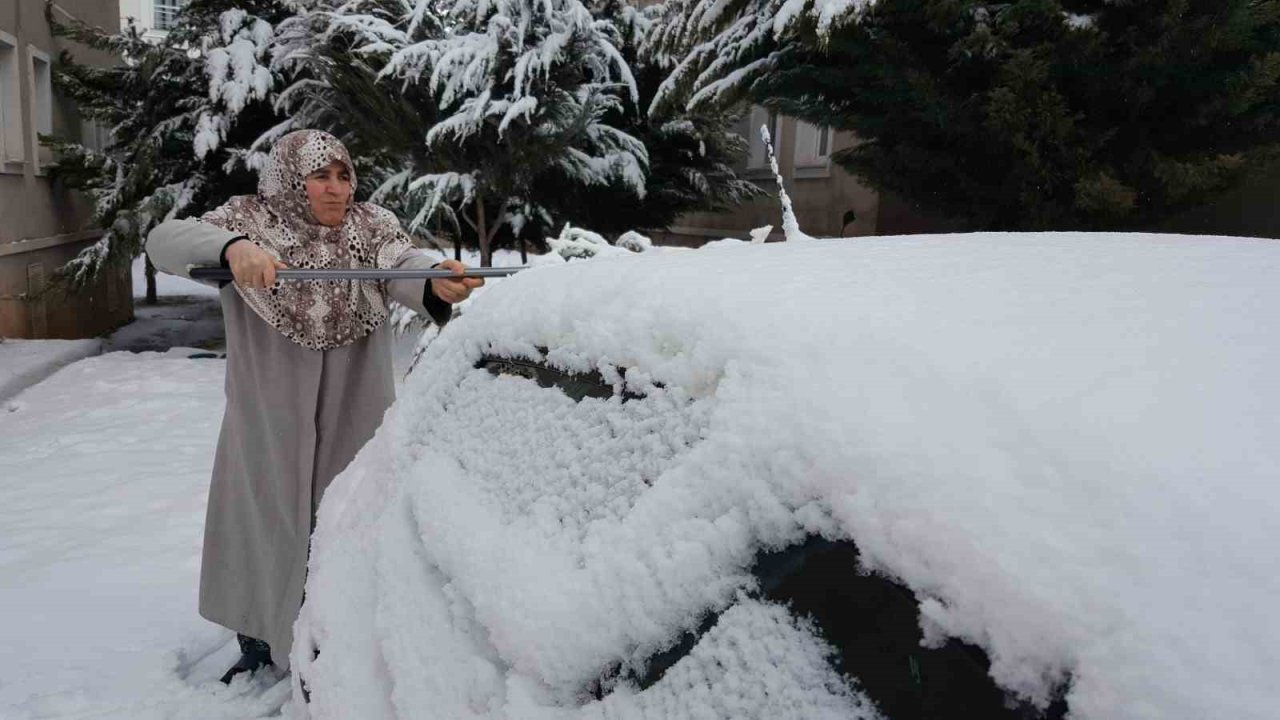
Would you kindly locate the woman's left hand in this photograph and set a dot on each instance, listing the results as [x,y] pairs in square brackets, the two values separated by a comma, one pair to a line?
[454,291]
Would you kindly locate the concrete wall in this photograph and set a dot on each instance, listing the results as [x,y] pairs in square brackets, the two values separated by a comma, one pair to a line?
[42,225]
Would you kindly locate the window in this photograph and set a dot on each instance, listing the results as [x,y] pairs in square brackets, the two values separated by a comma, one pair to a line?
[94,136]
[813,144]
[758,157]
[12,146]
[166,13]
[41,102]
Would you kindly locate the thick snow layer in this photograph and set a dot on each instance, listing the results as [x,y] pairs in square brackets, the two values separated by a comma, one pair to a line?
[104,469]
[26,362]
[1065,444]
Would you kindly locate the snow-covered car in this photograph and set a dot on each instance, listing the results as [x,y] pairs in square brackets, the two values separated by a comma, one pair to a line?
[992,475]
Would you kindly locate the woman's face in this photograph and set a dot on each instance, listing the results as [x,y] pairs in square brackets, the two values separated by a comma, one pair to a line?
[329,191]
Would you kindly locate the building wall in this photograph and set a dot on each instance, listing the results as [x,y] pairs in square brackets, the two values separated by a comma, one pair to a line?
[42,225]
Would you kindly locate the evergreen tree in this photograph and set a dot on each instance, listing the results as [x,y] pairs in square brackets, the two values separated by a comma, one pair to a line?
[1024,114]
[389,82]
[516,95]
[182,113]
[691,152]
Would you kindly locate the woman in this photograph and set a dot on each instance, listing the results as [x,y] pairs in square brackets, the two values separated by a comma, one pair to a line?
[308,371]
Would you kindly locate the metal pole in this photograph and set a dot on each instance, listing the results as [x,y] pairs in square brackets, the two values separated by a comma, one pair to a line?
[363,273]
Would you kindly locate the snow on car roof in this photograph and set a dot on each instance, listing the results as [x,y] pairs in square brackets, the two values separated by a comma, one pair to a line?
[1064,444]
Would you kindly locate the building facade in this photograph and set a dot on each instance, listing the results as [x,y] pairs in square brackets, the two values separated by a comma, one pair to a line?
[42,225]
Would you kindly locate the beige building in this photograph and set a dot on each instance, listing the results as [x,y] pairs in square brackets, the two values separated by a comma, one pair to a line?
[42,225]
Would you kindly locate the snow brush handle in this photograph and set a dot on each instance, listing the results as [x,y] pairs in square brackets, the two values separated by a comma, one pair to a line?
[363,273]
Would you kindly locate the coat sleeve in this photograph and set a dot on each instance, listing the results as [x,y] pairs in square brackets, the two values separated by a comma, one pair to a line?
[177,246]
[416,294]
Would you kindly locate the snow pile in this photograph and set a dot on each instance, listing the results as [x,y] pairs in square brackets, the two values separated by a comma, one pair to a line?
[579,243]
[1064,444]
[24,363]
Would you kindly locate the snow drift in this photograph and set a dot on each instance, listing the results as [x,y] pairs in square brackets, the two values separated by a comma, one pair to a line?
[1063,444]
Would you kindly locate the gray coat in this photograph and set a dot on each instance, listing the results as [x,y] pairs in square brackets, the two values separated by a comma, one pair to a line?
[294,418]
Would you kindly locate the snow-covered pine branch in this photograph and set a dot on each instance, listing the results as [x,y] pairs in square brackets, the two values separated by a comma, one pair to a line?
[717,49]
[513,90]
[238,68]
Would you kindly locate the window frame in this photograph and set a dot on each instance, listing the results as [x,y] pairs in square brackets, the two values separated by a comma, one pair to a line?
[94,135]
[810,160]
[164,14]
[40,110]
[13,150]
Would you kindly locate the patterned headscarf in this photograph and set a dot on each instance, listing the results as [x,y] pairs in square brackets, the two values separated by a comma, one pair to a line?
[316,314]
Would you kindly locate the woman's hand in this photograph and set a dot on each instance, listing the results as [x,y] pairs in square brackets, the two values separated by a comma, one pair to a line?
[252,266]
[454,291]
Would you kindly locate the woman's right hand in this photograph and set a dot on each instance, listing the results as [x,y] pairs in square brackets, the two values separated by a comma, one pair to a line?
[252,266]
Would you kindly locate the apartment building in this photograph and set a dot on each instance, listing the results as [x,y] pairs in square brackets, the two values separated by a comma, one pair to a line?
[42,225]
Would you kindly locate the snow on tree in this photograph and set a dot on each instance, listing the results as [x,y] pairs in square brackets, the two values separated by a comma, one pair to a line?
[691,153]
[535,115]
[716,49]
[516,94]
[180,113]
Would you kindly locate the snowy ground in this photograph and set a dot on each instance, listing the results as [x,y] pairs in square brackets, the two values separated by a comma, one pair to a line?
[104,471]
[24,363]
[104,468]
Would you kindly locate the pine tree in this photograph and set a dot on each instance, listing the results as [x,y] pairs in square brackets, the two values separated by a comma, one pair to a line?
[183,114]
[691,152]
[517,92]
[1025,114]
[386,80]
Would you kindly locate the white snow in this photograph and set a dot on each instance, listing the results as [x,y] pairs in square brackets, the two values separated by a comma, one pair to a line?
[1063,443]
[104,469]
[26,362]
[166,284]
[790,226]
[237,64]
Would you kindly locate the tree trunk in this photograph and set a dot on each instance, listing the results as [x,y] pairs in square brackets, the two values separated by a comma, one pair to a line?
[524,252]
[486,256]
[150,273]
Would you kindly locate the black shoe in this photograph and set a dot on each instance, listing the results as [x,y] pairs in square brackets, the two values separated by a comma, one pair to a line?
[253,654]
